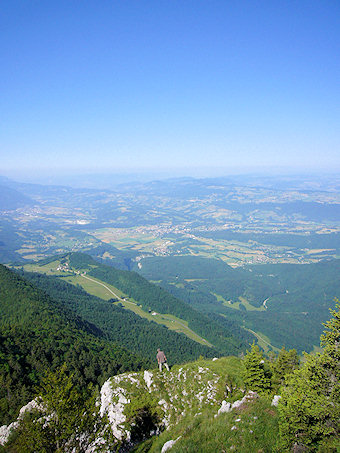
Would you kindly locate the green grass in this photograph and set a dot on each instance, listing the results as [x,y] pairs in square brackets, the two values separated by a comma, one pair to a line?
[95,287]
[222,299]
[236,305]
[263,341]
[256,430]
[49,269]
[179,325]
[106,291]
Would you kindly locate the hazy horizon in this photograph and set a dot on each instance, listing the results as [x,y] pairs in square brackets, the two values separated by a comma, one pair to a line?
[111,179]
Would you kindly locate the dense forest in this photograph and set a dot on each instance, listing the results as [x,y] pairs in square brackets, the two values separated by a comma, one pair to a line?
[229,339]
[297,296]
[10,242]
[122,326]
[38,333]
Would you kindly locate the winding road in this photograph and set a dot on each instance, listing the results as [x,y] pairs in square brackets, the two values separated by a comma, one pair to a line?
[133,303]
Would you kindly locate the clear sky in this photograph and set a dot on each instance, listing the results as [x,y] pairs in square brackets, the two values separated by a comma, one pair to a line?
[126,85]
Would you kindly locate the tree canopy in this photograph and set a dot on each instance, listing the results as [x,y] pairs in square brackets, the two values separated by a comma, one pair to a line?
[310,405]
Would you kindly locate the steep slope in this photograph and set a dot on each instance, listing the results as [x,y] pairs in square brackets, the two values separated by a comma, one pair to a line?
[12,199]
[38,333]
[228,339]
[287,303]
[200,406]
[166,397]
[122,326]
[10,242]
[223,404]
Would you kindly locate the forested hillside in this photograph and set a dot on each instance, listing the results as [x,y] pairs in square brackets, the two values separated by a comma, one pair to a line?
[38,333]
[119,325]
[45,322]
[11,199]
[285,302]
[229,339]
[255,403]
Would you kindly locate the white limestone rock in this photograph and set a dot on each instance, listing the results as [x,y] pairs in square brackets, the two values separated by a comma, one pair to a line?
[166,419]
[250,396]
[226,407]
[113,401]
[6,430]
[169,444]
[148,379]
[237,404]
[34,404]
[276,400]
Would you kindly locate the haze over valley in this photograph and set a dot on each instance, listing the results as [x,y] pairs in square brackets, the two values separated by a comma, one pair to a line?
[245,248]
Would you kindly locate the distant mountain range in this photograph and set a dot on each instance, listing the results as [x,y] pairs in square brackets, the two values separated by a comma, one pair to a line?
[13,199]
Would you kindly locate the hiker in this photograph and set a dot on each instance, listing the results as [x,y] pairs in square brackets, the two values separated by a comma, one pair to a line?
[161,359]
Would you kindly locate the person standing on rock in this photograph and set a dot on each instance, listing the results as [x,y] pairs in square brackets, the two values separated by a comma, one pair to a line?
[161,359]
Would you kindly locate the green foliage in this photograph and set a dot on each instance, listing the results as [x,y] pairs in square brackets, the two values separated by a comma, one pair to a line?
[69,420]
[152,297]
[39,333]
[185,267]
[30,436]
[282,366]
[310,407]
[117,258]
[144,416]
[122,326]
[331,337]
[10,242]
[254,431]
[225,335]
[298,296]
[257,376]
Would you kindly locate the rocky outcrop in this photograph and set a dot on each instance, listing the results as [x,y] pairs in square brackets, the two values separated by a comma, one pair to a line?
[276,399]
[6,430]
[140,404]
[168,445]
[169,395]
[228,407]
[114,398]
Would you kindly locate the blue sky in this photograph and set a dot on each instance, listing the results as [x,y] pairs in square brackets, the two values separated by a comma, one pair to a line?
[205,86]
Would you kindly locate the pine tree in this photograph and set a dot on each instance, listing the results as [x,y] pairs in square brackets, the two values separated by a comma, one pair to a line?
[283,365]
[256,376]
[310,405]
